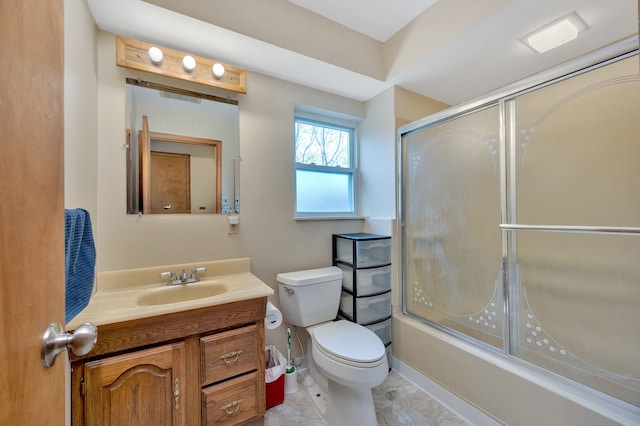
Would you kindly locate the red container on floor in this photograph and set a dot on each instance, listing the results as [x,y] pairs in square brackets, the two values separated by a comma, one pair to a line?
[275,392]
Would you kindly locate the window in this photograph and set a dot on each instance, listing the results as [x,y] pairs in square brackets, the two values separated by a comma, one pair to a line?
[325,169]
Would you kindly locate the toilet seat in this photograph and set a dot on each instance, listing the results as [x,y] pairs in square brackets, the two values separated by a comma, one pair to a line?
[349,343]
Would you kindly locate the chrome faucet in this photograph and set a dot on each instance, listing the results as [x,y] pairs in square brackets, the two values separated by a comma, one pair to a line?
[184,278]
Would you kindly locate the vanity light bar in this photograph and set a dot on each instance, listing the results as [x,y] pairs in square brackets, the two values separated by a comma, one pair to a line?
[138,55]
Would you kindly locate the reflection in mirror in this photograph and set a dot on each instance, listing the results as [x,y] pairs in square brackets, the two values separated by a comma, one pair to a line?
[182,151]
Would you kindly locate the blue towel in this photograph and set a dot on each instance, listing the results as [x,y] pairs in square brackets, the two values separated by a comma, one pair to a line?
[79,261]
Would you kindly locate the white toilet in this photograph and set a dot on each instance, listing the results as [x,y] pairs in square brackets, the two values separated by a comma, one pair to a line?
[349,356]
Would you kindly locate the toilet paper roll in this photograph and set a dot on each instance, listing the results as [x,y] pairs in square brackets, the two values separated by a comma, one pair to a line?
[273,317]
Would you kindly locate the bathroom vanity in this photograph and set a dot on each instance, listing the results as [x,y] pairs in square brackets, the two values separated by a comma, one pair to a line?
[187,362]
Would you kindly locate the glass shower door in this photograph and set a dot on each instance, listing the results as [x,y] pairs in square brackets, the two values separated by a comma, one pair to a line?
[534,197]
[575,291]
[451,212]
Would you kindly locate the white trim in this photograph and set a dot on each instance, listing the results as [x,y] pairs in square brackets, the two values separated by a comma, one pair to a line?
[454,403]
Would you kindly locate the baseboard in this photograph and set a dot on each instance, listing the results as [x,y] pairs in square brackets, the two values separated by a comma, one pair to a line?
[442,395]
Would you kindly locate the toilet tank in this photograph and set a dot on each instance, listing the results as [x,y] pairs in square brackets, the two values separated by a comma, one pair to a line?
[310,297]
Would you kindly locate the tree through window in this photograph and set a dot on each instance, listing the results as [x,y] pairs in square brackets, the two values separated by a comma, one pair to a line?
[325,168]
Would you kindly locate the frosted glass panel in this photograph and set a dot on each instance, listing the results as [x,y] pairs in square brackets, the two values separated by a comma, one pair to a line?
[323,192]
[578,149]
[571,163]
[577,308]
[577,298]
[451,209]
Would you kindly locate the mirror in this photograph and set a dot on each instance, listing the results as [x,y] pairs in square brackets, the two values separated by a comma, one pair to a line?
[182,151]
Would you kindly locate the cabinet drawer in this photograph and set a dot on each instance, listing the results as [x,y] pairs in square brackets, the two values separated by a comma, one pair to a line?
[368,281]
[367,252]
[231,402]
[367,309]
[229,354]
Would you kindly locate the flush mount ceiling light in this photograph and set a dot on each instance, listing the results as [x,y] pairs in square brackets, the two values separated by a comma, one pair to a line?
[556,33]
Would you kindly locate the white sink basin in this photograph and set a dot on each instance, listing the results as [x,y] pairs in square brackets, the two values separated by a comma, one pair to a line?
[182,293]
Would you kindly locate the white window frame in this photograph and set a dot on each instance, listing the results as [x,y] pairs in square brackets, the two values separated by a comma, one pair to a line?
[333,122]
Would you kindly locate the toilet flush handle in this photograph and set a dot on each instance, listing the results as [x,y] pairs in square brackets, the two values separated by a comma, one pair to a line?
[290,290]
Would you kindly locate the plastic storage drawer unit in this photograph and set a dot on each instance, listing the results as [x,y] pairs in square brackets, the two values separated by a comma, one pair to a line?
[365,262]
[365,310]
[369,281]
[368,252]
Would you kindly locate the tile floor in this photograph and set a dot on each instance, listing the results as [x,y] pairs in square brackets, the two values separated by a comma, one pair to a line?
[397,402]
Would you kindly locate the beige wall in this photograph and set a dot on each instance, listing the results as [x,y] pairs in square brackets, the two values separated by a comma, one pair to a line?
[409,106]
[377,158]
[80,109]
[95,179]
[268,234]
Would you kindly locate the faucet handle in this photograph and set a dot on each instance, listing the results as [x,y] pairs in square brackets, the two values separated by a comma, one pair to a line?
[171,275]
[194,271]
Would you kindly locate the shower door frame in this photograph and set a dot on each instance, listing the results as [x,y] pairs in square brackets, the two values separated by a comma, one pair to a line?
[504,99]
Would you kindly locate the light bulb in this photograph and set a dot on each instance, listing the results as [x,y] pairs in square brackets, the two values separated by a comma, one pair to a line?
[189,63]
[156,55]
[218,70]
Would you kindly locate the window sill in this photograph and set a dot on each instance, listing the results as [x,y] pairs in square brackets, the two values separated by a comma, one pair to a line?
[303,218]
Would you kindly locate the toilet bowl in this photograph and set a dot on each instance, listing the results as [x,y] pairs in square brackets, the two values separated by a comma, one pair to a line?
[349,353]
[350,357]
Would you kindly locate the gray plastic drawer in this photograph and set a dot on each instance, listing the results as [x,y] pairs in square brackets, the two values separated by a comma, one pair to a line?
[367,309]
[368,281]
[382,330]
[368,252]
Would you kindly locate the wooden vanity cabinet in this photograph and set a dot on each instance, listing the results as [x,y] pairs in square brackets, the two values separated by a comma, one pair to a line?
[204,366]
[225,356]
[143,387]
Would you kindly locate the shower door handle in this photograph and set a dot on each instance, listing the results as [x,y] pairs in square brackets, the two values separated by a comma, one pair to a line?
[56,340]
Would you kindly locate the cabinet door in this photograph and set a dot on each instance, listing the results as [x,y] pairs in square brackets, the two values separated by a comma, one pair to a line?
[140,388]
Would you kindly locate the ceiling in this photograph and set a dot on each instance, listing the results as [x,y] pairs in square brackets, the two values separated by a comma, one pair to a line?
[448,50]
[380,20]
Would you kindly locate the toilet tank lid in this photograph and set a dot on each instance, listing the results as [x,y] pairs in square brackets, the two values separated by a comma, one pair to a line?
[310,276]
